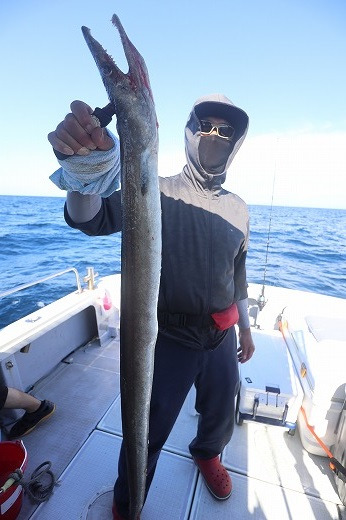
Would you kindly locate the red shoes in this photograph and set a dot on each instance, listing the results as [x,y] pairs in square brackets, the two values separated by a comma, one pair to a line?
[215,477]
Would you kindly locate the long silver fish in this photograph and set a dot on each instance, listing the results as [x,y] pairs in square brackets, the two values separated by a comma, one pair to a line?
[140,251]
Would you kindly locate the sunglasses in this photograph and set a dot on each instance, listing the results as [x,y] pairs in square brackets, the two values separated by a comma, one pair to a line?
[224,131]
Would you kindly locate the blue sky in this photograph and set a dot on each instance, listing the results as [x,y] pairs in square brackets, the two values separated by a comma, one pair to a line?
[282,61]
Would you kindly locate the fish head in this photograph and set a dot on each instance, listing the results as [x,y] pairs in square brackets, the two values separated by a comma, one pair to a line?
[130,92]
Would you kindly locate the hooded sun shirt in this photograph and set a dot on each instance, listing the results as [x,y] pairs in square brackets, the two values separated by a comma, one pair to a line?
[204,228]
[197,146]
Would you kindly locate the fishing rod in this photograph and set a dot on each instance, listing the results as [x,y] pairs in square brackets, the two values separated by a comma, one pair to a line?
[261,300]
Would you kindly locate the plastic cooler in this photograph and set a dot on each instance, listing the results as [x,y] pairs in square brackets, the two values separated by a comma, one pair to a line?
[13,456]
[270,391]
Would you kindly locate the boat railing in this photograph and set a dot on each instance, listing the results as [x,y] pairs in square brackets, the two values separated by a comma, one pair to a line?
[42,280]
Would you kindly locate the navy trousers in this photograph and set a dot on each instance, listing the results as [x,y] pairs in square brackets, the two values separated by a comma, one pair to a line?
[216,377]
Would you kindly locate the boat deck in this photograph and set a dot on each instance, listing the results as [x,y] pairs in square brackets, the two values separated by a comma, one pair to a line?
[273,476]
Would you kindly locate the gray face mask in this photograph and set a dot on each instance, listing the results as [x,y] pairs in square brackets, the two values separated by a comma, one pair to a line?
[213,153]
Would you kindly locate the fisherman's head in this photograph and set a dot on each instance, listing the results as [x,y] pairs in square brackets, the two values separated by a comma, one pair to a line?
[214,133]
[218,133]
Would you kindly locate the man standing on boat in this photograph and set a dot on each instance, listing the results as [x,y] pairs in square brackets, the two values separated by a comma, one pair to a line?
[203,290]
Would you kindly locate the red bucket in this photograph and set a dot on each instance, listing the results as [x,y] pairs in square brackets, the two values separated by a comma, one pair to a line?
[13,456]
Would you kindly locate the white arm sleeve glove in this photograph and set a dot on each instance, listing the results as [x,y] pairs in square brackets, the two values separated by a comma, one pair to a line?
[97,173]
[82,208]
[244,322]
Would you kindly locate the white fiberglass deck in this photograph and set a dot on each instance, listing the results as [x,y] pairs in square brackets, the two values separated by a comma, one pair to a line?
[274,478]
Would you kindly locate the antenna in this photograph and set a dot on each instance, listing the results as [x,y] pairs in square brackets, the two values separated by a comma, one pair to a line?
[261,299]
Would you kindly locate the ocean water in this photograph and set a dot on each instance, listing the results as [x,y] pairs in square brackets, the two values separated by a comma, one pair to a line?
[297,248]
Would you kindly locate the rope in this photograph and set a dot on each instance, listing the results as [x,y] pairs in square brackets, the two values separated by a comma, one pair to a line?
[41,484]
[312,431]
[334,464]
